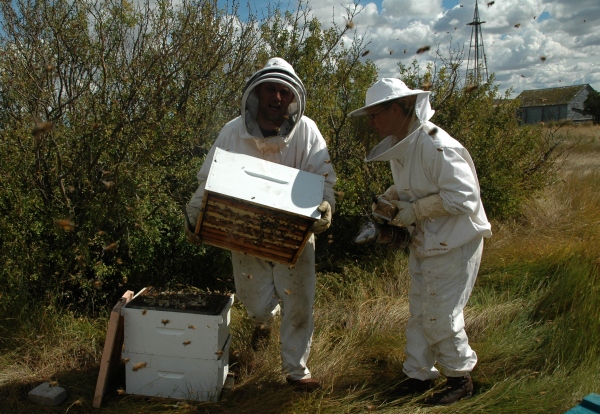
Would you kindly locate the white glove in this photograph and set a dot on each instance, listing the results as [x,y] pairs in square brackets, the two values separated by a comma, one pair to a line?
[425,208]
[190,236]
[324,222]
[429,207]
[406,214]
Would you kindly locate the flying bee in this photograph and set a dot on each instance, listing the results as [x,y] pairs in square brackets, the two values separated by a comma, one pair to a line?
[543,58]
[97,284]
[164,322]
[125,360]
[443,244]
[325,175]
[404,50]
[144,311]
[111,246]
[120,391]
[349,24]
[391,51]
[53,383]
[186,342]
[365,53]
[287,291]
[433,131]
[426,86]
[191,327]
[108,184]
[139,365]
[470,88]
[440,149]
[41,128]
[423,49]
[219,353]
[518,25]
[491,3]
[327,161]
[65,224]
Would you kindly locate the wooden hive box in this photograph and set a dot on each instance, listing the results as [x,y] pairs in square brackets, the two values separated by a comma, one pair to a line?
[175,351]
[259,207]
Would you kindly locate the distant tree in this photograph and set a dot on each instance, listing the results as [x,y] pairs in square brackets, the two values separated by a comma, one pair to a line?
[592,106]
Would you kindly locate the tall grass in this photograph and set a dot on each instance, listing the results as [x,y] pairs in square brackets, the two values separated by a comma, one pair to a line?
[533,319]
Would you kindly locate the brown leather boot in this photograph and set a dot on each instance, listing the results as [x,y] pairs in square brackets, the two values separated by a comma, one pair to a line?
[456,388]
[306,384]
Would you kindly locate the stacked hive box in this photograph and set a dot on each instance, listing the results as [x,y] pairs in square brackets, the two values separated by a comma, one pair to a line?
[258,207]
[174,353]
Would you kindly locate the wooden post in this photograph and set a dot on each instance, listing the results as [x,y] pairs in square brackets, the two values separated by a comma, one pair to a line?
[111,356]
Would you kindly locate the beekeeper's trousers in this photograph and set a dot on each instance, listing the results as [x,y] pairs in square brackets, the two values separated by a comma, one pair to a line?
[266,288]
[440,288]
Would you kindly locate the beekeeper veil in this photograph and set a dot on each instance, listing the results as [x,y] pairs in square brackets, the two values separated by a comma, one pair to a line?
[279,71]
[389,90]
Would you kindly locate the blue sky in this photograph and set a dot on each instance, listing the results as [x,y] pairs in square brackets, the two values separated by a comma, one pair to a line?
[516,35]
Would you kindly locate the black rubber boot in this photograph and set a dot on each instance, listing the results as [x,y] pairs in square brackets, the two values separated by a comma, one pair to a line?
[456,388]
[411,386]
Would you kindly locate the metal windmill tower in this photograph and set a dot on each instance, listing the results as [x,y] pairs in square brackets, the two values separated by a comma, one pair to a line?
[477,64]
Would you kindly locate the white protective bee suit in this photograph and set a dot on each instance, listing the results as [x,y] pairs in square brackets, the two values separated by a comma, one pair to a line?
[266,288]
[445,251]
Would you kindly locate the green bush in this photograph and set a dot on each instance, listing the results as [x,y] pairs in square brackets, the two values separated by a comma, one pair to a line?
[107,111]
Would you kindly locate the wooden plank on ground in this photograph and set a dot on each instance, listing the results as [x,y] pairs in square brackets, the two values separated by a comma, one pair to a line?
[111,356]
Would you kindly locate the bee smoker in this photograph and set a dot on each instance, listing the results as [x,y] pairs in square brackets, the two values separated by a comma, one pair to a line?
[371,232]
[374,232]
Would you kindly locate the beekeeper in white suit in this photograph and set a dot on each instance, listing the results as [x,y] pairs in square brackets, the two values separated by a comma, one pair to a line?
[272,127]
[437,194]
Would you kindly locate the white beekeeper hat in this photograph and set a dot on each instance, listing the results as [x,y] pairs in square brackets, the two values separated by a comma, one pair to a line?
[384,90]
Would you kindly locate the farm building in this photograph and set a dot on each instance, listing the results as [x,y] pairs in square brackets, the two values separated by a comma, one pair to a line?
[554,104]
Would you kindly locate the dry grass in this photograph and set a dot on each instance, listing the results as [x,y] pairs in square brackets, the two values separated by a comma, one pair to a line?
[535,297]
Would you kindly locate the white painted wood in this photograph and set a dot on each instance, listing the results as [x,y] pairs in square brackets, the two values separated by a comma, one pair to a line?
[185,335]
[265,183]
[176,377]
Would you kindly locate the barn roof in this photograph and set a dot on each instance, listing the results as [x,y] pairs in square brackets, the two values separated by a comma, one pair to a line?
[550,96]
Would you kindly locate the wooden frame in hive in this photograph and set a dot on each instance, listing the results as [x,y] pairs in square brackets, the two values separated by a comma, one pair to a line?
[258,207]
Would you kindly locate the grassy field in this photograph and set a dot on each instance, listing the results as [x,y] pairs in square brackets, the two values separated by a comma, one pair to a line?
[533,319]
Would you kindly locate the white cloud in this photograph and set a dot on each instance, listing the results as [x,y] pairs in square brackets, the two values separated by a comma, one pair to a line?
[570,45]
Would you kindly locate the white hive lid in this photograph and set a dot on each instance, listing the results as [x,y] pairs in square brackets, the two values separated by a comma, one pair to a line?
[265,183]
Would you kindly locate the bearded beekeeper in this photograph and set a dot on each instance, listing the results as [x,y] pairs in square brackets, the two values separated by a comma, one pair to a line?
[437,195]
[272,127]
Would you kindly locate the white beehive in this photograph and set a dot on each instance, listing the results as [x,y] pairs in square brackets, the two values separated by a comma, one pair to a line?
[175,353]
[259,207]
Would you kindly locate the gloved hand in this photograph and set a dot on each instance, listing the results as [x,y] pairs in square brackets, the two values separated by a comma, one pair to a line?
[383,209]
[324,222]
[190,236]
[406,214]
